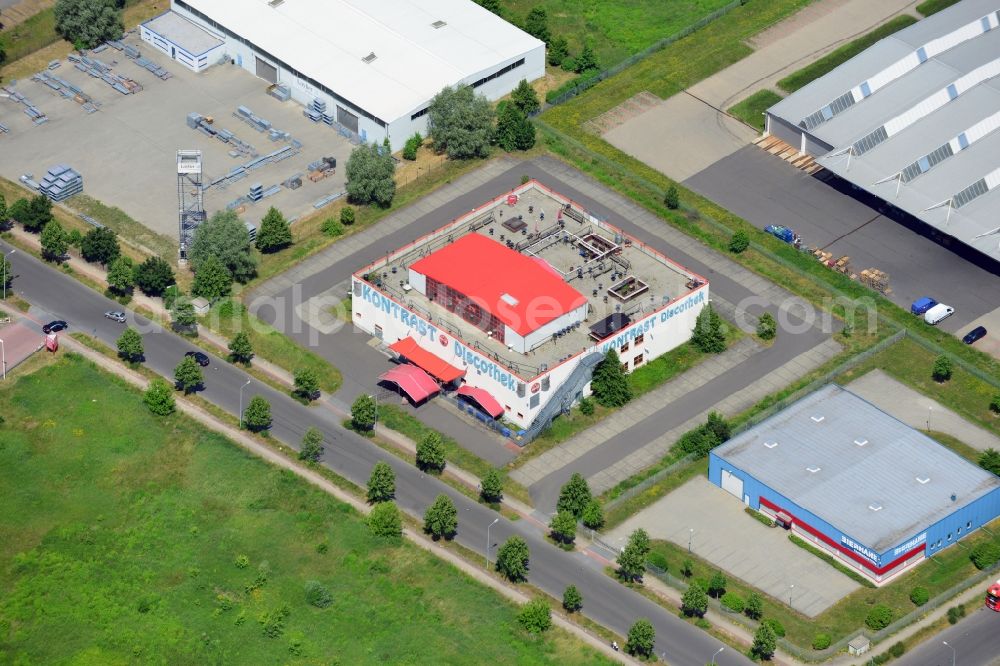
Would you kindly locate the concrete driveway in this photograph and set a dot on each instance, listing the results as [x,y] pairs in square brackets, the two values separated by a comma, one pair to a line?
[739,545]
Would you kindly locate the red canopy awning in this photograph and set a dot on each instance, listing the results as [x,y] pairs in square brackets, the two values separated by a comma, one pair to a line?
[412,380]
[485,400]
[419,356]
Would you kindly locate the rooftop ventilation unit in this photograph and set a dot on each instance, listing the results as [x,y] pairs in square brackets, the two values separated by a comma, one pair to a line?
[437,25]
[923,479]
[370,58]
[276,3]
[861,442]
[770,445]
[817,419]
[509,300]
[813,469]
[875,506]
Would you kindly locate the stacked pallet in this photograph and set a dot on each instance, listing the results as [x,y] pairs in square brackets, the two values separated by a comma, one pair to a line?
[280,92]
[36,115]
[244,170]
[254,121]
[67,90]
[876,279]
[61,182]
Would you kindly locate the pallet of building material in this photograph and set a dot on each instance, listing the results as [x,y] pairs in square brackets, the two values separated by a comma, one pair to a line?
[280,92]
[99,49]
[131,52]
[244,111]
[72,57]
[328,199]
[312,114]
[317,176]
[3,129]
[80,66]
[293,182]
[115,44]
[55,64]
[876,279]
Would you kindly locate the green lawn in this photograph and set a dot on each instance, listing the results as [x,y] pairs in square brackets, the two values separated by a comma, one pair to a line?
[616,29]
[751,110]
[934,6]
[120,536]
[28,36]
[827,63]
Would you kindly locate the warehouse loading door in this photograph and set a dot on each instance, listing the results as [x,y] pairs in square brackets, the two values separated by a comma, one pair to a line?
[347,119]
[267,71]
[732,484]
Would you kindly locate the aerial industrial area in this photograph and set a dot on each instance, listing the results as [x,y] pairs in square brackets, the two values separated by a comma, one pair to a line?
[520,331]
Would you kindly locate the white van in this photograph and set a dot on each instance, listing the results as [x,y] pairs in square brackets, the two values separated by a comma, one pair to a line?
[938,313]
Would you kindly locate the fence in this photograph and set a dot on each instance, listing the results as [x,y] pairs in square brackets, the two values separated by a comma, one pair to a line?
[651,481]
[587,81]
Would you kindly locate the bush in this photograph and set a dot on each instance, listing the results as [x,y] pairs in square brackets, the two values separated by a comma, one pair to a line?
[593,515]
[821,641]
[898,649]
[317,595]
[672,199]
[733,602]
[995,404]
[587,406]
[942,369]
[159,398]
[754,607]
[767,328]
[694,602]
[956,613]
[153,276]
[412,145]
[658,560]
[739,242]
[535,616]
[347,216]
[572,599]
[985,555]
[332,228]
[370,176]
[990,461]
[708,336]
[385,521]
[776,627]
[919,596]
[87,23]
[879,617]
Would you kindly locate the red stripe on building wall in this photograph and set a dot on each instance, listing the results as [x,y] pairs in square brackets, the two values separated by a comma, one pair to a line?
[878,571]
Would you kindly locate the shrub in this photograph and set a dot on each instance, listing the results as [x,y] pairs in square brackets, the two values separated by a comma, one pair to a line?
[412,145]
[535,616]
[919,596]
[897,649]
[717,585]
[317,595]
[587,406]
[956,613]
[708,335]
[347,216]
[754,607]
[242,561]
[385,521]
[985,555]
[159,397]
[332,228]
[572,599]
[733,602]
[942,369]
[694,601]
[821,641]
[767,328]
[593,515]
[879,617]
[658,560]
[776,627]
[739,242]
[672,198]
[995,404]
[990,461]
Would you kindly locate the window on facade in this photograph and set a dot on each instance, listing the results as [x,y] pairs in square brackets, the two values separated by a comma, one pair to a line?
[968,525]
[638,339]
[959,530]
[637,362]
[624,367]
[949,536]
[624,348]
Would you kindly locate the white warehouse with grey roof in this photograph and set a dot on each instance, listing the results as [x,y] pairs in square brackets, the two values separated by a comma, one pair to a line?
[857,482]
[375,64]
[913,120]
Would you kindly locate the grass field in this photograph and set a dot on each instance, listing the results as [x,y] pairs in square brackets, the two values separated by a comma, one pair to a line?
[751,110]
[827,63]
[121,537]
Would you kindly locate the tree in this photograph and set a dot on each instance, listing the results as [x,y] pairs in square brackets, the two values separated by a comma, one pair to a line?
[20,211]
[6,272]
[632,558]
[536,24]
[461,123]
[512,559]
[381,483]
[767,327]
[274,233]
[942,368]
[587,60]
[985,555]
[491,487]
[441,518]
[739,242]
[224,236]
[87,23]
[187,375]
[306,384]
[183,315]
[879,617]
[121,275]
[708,335]
[558,51]
[764,642]
[212,280]
[990,461]
[586,405]
[609,384]
[491,5]
[317,594]
[754,607]
[363,413]
[54,241]
[159,398]
[430,453]
[572,599]
[257,415]
[672,199]
[919,596]
[687,568]
[593,515]
[36,215]
[370,176]
[718,426]
[412,146]
[514,130]
[717,585]
[563,527]
[312,445]
[733,602]
[4,217]
[535,616]
[641,638]
[130,345]
[240,349]
[525,98]
[100,245]
[347,216]
[385,521]
[574,495]
[153,276]
[694,602]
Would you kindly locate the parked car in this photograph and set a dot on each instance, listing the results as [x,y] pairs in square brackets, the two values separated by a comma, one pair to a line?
[115,315]
[55,326]
[198,356]
[778,231]
[975,334]
[938,314]
[922,305]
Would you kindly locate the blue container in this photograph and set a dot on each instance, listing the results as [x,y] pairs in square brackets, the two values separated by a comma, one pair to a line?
[922,305]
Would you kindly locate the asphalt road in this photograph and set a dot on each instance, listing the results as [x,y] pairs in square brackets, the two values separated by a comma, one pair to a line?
[605,601]
[359,363]
[976,640]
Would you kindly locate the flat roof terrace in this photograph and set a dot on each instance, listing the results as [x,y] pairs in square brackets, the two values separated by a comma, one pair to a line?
[620,278]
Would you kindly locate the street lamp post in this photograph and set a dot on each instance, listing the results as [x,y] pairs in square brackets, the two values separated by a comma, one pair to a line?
[4,262]
[3,354]
[791,588]
[488,541]
[241,401]
[690,536]
[717,654]
[954,653]
[930,408]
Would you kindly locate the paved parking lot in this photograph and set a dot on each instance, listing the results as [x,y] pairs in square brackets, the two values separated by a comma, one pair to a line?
[739,545]
[20,339]
[126,151]
[764,190]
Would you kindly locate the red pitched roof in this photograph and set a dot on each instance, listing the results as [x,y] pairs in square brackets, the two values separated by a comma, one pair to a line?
[419,356]
[483,397]
[515,288]
[415,382]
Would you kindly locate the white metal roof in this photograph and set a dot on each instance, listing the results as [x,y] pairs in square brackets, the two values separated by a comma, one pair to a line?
[327,39]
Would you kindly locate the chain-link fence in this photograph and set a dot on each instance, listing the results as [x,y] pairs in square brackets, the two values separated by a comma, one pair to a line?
[651,481]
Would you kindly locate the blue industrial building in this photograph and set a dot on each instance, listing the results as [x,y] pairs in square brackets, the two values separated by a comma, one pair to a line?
[848,477]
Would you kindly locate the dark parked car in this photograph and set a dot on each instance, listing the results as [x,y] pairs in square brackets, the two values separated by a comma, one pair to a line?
[975,334]
[198,356]
[55,326]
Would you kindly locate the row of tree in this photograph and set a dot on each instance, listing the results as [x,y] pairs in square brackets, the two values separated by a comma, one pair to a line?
[536,24]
